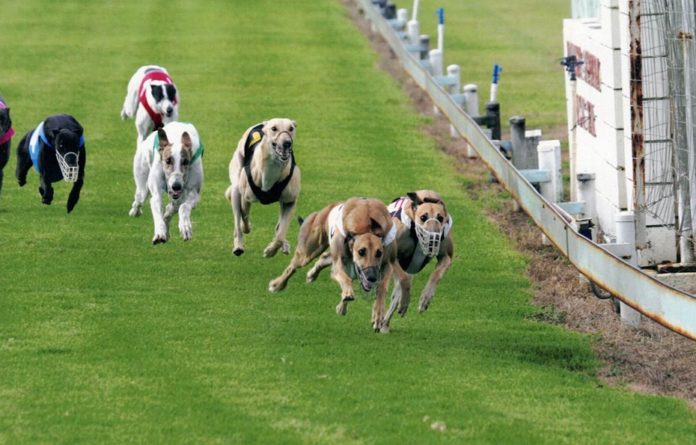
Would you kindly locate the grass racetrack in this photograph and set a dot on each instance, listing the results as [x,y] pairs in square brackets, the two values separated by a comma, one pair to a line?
[105,338]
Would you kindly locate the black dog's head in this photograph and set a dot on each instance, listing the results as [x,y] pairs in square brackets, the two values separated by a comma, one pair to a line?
[67,144]
[5,120]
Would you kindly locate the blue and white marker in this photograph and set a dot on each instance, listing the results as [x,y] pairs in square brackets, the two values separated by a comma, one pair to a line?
[497,69]
[441,29]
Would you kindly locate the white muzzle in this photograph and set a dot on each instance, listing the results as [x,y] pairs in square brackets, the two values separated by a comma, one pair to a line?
[69,173]
[429,241]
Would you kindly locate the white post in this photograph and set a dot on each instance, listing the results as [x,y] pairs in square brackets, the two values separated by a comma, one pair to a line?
[586,194]
[550,159]
[414,17]
[441,29]
[454,72]
[413,32]
[626,234]
[497,69]
[402,18]
[472,109]
[436,62]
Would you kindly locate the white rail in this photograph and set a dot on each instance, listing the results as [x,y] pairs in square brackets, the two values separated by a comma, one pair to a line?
[664,304]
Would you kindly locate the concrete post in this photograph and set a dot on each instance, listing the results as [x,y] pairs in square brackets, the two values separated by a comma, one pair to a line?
[413,32]
[522,159]
[472,109]
[586,194]
[436,62]
[626,234]
[550,159]
[454,72]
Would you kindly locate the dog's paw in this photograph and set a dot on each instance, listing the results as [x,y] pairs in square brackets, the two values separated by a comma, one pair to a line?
[312,275]
[272,249]
[159,239]
[22,182]
[286,247]
[185,230]
[342,308]
[246,227]
[124,116]
[425,299]
[276,285]
[403,309]
[384,329]
[135,212]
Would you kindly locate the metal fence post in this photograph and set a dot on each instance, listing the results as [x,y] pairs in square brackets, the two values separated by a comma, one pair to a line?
[626,234]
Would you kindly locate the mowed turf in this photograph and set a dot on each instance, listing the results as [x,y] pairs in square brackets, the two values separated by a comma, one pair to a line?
[524,37]
[105,338]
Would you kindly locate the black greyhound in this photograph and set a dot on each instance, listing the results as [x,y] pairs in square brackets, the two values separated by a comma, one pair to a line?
[6,133]
[56,149]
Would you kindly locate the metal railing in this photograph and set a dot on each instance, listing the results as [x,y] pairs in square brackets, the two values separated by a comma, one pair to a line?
[660,302]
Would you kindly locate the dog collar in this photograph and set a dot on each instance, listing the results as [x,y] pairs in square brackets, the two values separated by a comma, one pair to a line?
[7,136]
[42,135]
[155,75]
[273,194]
[10,131]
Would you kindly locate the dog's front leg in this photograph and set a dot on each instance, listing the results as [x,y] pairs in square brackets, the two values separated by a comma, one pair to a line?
[428,293]
[378,306]
[339,275]
[236,200]
[77,187]
[185,227]
[279,241]
[323,262]
[161,228]
[46,190]
[404,279]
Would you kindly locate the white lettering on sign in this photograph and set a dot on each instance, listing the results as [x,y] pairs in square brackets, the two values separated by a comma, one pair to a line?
[589,71]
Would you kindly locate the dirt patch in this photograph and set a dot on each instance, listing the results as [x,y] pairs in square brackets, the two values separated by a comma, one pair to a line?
[649,359]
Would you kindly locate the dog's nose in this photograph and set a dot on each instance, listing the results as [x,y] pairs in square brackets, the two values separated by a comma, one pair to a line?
[176,186]
[287,145]
[169,111]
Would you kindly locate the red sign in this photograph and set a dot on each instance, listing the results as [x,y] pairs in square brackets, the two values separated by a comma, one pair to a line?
[585,115]
[589,71]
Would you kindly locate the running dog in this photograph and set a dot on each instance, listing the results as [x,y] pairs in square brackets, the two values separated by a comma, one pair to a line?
[169,161]
[6,133]
[423,233]
[361,238]
[152,99]
[263,169]
[56,149]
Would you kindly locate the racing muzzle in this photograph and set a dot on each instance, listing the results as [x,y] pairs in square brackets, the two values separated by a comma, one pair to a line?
[368,277]
[429,241]
[69,169]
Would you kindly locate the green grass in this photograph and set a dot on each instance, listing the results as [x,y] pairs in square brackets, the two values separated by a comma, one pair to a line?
[524,37]
[105,338]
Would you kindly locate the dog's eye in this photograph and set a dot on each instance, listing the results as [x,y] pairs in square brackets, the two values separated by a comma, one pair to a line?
[292,128]
[440,218]
[274,128]
[362,252]
[378,254]
[168,161]
[424,217]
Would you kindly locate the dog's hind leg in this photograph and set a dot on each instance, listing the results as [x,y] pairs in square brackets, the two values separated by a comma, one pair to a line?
[140,174]
[281,231]
[395,299]
[378,306]
[46,190]
[322,263]
[299,259]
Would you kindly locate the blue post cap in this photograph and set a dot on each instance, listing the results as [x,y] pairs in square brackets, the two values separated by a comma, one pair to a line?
[497,69]
[441,16]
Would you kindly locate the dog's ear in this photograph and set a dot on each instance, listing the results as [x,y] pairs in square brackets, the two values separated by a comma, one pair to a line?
[376,228]
[350,241]
[294,124]
[163,141]
[186,141]
[415,200]
[263,129]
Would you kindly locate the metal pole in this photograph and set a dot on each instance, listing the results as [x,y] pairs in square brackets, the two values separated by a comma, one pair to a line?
[686,247]
[626,234]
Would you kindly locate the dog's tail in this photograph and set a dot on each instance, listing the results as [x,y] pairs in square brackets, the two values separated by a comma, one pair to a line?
[228,194]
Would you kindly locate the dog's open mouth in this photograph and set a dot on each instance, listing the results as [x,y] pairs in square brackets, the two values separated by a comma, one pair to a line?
[175,194]
[365,283]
